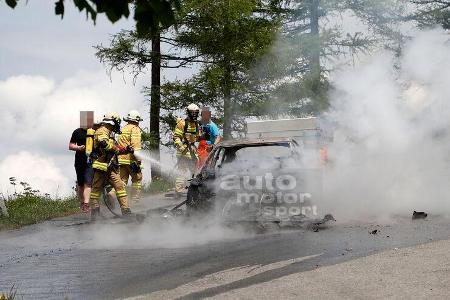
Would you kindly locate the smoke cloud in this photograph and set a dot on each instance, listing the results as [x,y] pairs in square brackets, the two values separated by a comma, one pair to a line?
[39,115]
[391,150]
[40,172]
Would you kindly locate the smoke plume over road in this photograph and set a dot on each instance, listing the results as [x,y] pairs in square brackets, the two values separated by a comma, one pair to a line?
[391,146]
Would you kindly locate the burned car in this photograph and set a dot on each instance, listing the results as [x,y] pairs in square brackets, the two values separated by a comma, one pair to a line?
[260,180]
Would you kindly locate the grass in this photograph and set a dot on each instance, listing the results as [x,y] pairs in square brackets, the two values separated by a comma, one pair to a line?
[158,185]
[31,209]
[10,296]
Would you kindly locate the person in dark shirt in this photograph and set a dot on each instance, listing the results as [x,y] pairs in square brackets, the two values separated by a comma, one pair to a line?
[83,169]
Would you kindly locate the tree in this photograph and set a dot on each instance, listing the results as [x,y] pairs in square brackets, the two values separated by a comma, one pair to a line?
[149,15]
[230,36]
[432,12]
[130,51]
[294,76]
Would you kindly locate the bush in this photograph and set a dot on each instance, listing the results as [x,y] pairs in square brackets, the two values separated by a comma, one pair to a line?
[158,185]
[30,207]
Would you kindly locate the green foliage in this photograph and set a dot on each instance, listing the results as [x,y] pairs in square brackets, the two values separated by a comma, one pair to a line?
[292,80]
[29,206]
[225,30]
[265,57]
[158,185]
[226,37]
[31,209]
[150,15]
[126,50]
[258,58]
[432,12]
[231,36]
[150,139]
[130,51]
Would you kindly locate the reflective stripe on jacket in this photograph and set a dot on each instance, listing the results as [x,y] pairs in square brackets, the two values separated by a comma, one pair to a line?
[182,130]
[103,134]
[130,136]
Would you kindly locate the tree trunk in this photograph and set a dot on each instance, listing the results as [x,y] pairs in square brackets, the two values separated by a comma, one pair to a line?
[314,63]
[315,37]
[227,102]
[155,102]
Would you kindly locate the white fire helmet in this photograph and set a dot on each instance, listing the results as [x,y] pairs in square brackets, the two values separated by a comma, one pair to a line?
[111,118]
[134,116]
[193,111]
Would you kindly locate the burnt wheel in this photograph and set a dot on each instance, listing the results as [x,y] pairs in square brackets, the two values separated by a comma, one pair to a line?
[192,197]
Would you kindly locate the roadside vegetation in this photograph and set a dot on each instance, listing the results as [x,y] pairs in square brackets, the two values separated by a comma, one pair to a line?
[158,185]
[9,296]
[30,206]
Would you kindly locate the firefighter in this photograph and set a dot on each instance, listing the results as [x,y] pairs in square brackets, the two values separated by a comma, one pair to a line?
[129,164]
[185,135]
[106,166]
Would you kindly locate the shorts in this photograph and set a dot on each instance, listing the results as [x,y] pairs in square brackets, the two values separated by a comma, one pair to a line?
[85,175]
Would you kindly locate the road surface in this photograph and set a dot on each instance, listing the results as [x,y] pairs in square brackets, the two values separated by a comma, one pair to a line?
[77,260]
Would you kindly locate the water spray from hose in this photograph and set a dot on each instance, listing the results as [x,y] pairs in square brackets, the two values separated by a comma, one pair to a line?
[146,156]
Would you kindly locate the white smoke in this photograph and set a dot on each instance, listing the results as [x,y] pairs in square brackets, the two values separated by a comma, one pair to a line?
[39,172]
[391,146]
[39,115]
[160,233]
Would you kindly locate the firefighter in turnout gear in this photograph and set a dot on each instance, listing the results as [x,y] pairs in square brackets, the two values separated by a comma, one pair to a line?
[106,166]
[129,164]
[185,135]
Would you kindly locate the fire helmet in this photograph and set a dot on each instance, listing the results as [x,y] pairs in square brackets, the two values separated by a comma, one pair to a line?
[113,119]
[133,116]
[193,111]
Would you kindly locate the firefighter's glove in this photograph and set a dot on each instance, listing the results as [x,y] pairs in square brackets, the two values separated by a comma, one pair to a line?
[121,150]
[95,155]
[103,144]
[183,148]
[135,167]
[130,149]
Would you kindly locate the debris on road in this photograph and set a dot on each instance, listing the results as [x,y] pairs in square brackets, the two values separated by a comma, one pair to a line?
[375,231]
[325,219]
[419,215]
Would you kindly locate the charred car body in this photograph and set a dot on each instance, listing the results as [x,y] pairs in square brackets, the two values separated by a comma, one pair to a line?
[268,181]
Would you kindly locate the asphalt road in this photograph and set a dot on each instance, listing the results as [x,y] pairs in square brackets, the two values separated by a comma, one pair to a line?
[73,259]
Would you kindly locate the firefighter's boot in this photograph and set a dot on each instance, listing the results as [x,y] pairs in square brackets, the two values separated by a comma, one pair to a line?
[126,211]
[127,214]
[95,212]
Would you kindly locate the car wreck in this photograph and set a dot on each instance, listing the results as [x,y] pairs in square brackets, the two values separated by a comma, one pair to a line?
[257,180]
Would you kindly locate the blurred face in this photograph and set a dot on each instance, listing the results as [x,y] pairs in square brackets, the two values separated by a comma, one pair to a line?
[86,119]
[206,116]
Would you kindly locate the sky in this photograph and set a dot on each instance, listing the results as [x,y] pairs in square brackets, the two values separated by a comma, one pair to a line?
[48,73]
